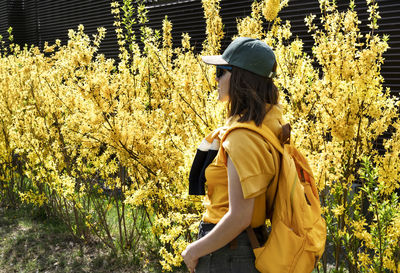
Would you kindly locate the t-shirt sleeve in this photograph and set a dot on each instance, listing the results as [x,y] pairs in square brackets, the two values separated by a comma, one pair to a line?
[251,155]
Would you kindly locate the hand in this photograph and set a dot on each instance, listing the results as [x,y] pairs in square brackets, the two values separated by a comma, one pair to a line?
[189,259]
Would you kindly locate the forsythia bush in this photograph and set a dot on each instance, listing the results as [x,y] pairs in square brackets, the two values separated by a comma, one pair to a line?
[106,146]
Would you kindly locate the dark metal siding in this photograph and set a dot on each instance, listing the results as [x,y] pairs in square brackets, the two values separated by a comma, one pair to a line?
[55,19]
[388,24]
[230,13]
[32,31]
[16,20]
[185,16]
[48,20]
[36,21]
[3,19]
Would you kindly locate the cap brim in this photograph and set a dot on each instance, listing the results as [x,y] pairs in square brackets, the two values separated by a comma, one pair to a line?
[215,60]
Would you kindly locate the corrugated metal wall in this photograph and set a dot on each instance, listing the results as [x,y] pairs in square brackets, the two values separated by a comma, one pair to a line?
[186,17]
[3,19]
[36,21]
[16,19]
[389,24]
[48,20]
[32,27]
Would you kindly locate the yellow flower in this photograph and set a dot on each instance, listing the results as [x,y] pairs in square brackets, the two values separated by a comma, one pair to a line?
[167,37]
[214,27]
[88,126]
[270,9]
[185,41]
[338,210]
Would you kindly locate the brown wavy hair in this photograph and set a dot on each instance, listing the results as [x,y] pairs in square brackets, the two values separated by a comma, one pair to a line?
[248,95]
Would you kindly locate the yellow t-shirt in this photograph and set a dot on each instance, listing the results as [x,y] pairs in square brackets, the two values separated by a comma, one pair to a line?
[257,163]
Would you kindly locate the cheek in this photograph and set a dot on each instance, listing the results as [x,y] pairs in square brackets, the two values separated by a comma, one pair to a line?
[225,90]
[227,83]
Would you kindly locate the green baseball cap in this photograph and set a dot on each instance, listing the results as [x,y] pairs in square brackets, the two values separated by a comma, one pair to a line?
[246,53]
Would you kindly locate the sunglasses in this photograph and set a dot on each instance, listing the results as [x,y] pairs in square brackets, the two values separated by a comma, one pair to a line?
[221,70]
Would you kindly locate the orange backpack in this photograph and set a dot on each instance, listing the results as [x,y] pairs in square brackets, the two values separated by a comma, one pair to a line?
[298,234]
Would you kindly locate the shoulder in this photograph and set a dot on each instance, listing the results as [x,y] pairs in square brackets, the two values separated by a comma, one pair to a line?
[241,135]
[244,141]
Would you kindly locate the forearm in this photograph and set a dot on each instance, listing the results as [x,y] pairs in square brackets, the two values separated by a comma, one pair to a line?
[228,228]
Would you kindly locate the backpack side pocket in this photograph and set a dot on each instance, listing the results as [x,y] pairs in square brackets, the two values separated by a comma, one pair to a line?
[280,252]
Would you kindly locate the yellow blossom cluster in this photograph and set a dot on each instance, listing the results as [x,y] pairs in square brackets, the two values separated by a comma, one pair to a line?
[32,198]
[99,138]
[338,109]
[270,9]
[89,138]
[251,26]
[212,45]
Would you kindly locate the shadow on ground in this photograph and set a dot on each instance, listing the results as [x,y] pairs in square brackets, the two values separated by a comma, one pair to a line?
[27,245]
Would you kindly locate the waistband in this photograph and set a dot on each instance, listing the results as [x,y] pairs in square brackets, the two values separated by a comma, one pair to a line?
[261,232]
[206,226]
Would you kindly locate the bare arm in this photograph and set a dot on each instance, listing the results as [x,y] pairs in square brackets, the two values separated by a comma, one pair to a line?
[229,227]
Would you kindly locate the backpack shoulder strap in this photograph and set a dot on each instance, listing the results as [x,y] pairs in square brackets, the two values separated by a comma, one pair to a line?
[265,132]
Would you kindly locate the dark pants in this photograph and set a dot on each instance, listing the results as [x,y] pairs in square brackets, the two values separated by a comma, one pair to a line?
[235,257]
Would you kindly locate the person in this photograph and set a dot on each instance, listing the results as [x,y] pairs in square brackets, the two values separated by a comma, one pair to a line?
[242,178]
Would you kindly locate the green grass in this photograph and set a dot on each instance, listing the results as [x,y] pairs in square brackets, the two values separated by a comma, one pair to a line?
[31,243]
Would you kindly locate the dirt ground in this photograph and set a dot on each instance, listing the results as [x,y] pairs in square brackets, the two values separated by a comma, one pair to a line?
[36,245]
